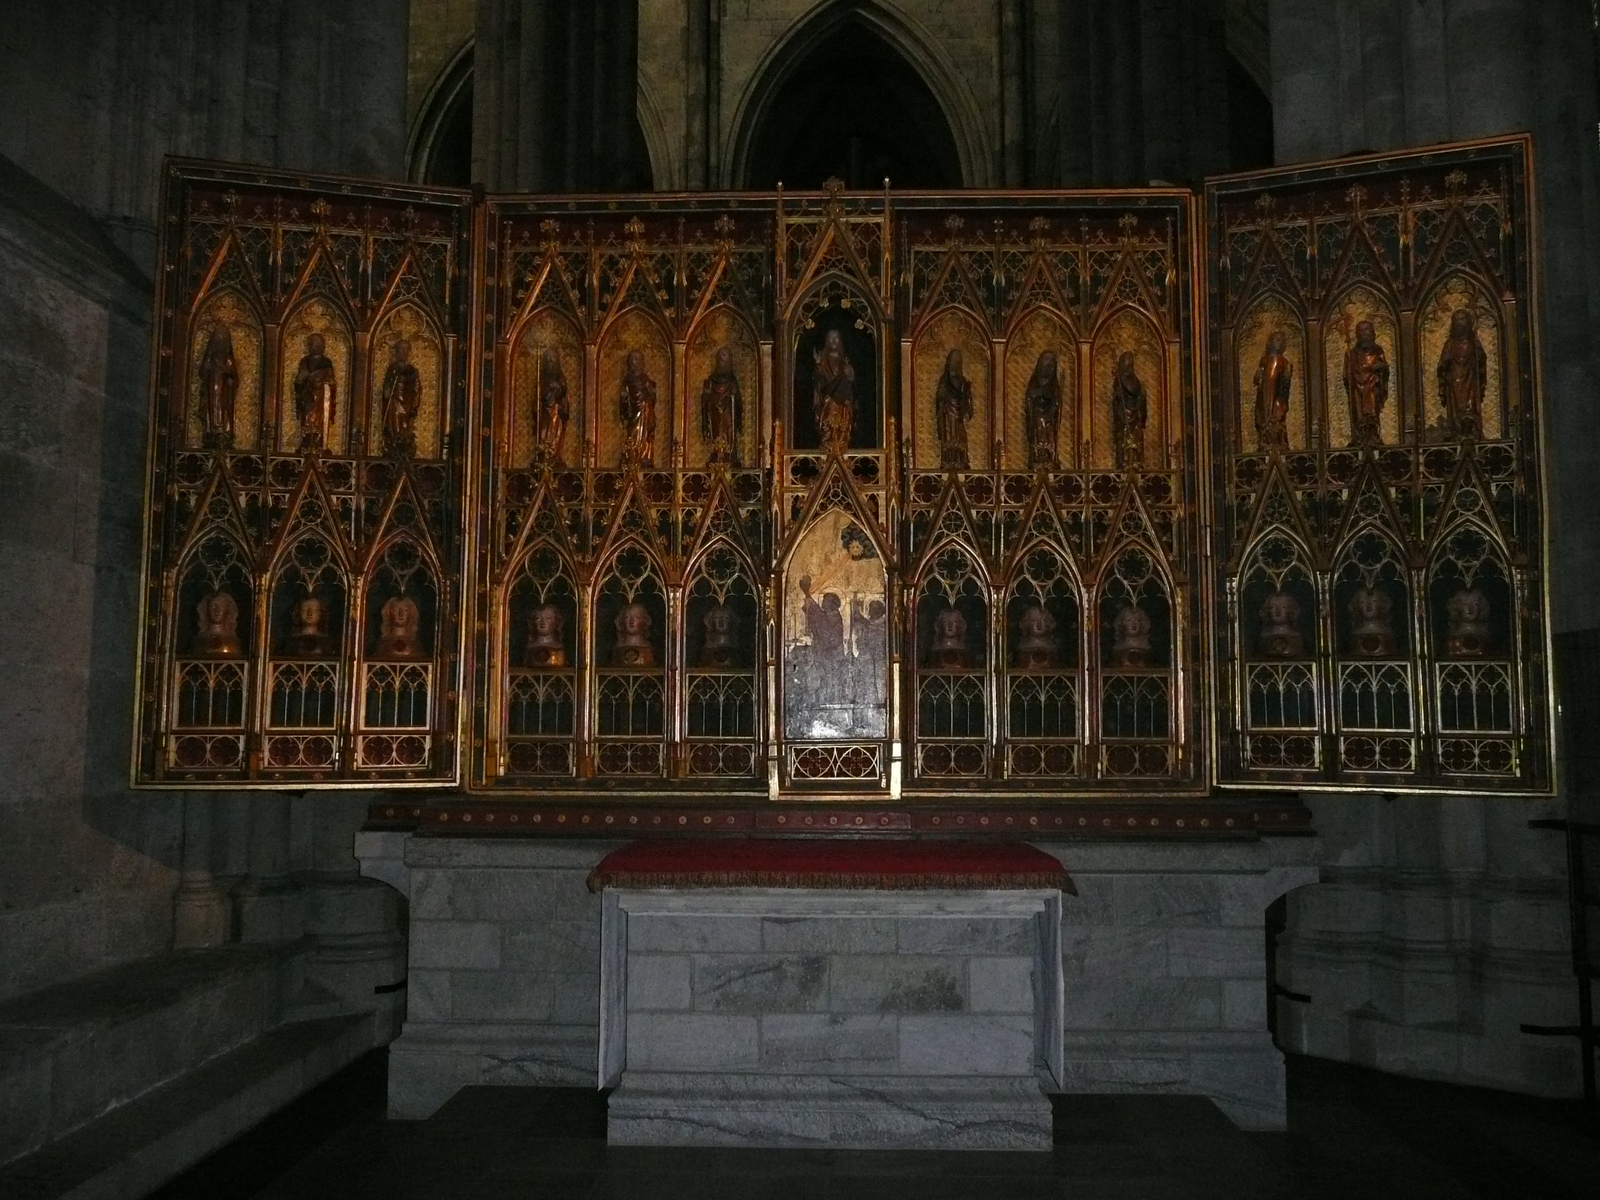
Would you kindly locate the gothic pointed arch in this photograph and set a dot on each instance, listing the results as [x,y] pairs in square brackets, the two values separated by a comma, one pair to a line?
[862,91]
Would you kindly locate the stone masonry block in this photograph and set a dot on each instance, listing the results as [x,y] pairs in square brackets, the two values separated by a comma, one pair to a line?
[1000,985]
[553,946]
[427,995]
[503,895]
[966,935]
[455,944]
[575,997]
[760,982]
[692,1042]
[828,1041]
[828,935]
[659,981]
[1235,953]
[1097,951]
[500,996]
[966,1045]
[1167,900]
[675,935]
[1095,903]
[1244,1004]
[897,983]
[1152,1004]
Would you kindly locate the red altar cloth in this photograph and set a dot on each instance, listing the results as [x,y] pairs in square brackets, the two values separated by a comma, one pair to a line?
[793,863]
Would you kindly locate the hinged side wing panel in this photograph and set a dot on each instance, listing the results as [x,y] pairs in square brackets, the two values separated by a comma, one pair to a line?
[1380,536]
[303,514]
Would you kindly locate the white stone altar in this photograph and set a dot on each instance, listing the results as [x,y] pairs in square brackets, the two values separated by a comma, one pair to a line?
[1163,967]
[849,1018]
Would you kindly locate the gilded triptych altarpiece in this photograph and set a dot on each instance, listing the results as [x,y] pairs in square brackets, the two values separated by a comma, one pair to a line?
[974,510]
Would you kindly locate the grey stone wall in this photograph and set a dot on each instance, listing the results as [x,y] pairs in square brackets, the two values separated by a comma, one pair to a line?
[94,96]
[86,870]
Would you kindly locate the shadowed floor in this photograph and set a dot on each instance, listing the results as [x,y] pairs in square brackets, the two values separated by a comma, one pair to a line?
[1353,1133]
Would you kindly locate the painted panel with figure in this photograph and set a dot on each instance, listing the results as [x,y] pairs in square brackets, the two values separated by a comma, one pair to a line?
[835,634]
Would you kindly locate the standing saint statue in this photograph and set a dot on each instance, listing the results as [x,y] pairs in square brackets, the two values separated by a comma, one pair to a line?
[953,407]
[1463,375]
[1129,412]
[637,407]
[219,383]
[722,409]
[1366,382]
[316,391]
[833,393]
[1043,403]
[1273,381]
[551,418]
[402,397]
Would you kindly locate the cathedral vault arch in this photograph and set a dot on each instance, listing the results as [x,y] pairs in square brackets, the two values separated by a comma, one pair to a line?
[900,34]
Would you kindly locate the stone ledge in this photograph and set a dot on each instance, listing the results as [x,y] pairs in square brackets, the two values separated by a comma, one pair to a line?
[140,1145]
[838,1112]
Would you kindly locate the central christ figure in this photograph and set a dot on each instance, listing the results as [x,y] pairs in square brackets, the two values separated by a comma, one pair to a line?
[833,394]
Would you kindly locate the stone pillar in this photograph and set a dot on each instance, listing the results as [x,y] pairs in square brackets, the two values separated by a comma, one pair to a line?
[202,915]
[1014,115]
[698,85]
[266,902]
[555,94]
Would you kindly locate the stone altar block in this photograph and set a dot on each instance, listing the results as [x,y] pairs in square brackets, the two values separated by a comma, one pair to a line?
[821,1017]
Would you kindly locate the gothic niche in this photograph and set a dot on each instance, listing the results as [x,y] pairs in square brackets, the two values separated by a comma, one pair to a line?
[546,385]
[725,392]
[1372,609]
[721,626]
[1459,344]
[211,674]
[630,626]
[314,400]
[224,411]
[1128,422]
[635,398]
[1135,649]
[1270,352]
[951,384]
[309,604]
[835,634]
[1042,685]
[1041,415]
[541,690]
[835,380]
[1360,337]
[1277,615]
[404,417]
[952,641]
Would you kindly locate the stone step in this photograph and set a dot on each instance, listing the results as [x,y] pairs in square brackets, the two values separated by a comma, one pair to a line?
[142,1144]
[75,1051]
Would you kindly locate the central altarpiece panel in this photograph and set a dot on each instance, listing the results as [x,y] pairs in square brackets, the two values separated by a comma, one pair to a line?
[814,496]
[987,511]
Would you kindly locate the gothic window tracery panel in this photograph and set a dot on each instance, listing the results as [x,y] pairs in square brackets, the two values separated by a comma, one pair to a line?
[722,623]
[1043,680]
[629,652]
[951,652]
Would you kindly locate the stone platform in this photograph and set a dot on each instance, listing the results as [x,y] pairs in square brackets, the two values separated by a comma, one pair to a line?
[845,1018]
[1163,966]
